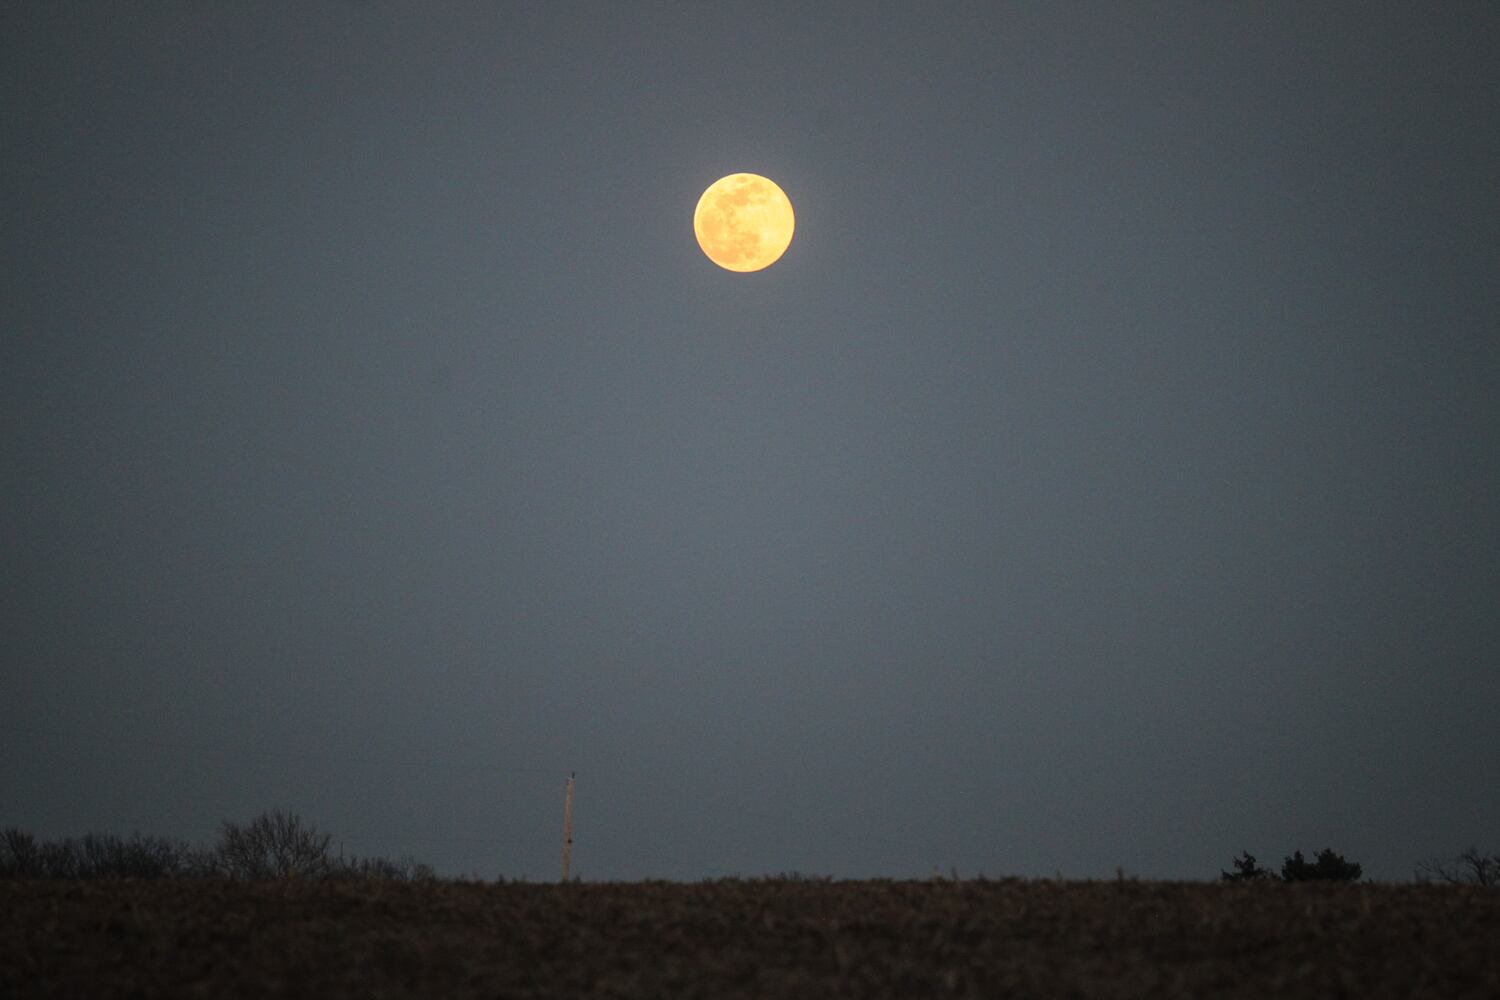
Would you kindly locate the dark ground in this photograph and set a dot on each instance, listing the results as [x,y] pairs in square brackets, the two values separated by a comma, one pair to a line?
[761,938]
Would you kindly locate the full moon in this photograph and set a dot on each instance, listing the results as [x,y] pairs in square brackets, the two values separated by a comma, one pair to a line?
[743,222]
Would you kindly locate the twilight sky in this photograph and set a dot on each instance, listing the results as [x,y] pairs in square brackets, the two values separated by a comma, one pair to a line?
[1109,473]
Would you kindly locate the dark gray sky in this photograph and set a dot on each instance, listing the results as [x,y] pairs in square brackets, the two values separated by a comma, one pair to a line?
[1107,475]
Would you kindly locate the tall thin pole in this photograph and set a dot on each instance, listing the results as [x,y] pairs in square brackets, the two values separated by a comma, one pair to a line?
[567,829]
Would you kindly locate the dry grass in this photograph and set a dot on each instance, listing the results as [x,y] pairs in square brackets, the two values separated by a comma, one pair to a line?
[746,939]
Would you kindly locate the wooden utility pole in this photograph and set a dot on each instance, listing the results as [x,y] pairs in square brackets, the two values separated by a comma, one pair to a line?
[567,829]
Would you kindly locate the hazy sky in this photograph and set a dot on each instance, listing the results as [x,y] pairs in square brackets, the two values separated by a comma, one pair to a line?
[1108,474]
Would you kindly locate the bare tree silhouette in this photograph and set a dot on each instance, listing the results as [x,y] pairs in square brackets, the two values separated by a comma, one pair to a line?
[275,844]
[1246,870]
[1470,867]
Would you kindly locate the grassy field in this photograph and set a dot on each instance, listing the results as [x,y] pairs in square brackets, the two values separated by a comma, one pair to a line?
[756,938]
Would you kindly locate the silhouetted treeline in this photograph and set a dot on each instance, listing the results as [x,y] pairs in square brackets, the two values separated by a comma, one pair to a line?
[99,855]
[1470,867]
[1327,867]
[275,844]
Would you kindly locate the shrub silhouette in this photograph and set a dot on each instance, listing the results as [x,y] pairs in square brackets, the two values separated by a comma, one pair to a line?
[1246,870]
[403,869]
[1329,867]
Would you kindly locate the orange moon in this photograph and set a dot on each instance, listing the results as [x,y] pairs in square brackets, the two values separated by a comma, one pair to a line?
[744,222]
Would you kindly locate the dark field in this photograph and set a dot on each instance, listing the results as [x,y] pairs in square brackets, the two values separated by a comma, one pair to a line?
[797,938]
